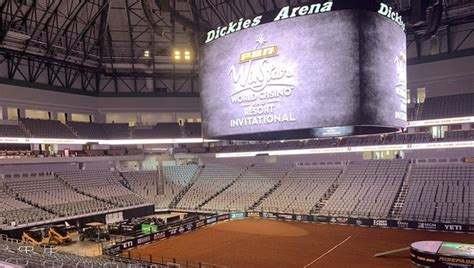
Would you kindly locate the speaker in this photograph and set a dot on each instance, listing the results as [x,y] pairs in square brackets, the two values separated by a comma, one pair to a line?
[434,20]
[418,11]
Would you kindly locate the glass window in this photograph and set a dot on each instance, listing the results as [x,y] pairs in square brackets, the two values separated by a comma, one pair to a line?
[12,113]
[437,132]
[36,114]
[62,117]
[129,118]
[421,96]
[80,117]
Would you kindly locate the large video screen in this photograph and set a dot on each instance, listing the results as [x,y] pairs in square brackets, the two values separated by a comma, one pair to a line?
[309,71]
[457,249]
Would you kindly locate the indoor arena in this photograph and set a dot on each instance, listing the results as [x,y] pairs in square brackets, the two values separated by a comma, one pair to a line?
[236,133]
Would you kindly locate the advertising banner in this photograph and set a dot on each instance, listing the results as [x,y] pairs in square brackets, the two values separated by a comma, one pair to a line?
[237,215]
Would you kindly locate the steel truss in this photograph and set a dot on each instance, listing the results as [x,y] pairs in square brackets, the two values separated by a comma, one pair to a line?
[72,46]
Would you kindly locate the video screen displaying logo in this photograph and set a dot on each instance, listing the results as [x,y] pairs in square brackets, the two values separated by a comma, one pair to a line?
[457,249]
[307,72]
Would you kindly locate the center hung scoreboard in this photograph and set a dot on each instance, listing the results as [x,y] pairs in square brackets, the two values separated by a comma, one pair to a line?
[323,69]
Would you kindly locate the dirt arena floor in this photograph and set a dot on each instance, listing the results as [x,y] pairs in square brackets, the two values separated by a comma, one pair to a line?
[270,243]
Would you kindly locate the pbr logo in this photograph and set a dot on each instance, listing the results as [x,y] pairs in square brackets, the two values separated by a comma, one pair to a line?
[359,222]
[26,249]
[299,218]
[381,223]
[259,53]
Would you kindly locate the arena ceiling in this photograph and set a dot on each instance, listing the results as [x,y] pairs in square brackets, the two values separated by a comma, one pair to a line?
[124,47]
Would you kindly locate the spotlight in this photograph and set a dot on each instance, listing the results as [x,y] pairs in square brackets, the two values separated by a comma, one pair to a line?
[177,55]
[181,54]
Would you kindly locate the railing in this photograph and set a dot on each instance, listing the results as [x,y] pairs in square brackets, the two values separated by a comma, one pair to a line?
[169,261]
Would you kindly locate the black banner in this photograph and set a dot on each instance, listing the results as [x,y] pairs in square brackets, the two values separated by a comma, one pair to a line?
[198,223]
[113,250]
[158,236]
[303,218]
[254,214]
[284,216]
[127,244]
[211,220]
[269,215]
[223,217]
[171,231]
[144,239]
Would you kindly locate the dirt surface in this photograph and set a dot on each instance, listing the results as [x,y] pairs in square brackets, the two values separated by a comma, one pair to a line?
[269,243]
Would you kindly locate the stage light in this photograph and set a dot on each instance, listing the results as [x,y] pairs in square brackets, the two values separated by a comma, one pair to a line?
[146,53]
[177,55]
[181,55]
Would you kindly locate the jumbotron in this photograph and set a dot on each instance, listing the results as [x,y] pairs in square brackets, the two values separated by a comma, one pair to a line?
[209,133]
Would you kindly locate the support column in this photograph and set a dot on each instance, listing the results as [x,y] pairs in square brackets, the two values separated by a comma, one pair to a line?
[4,113]
[22,112]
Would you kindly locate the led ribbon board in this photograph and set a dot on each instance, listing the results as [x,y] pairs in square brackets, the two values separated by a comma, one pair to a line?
[315,70]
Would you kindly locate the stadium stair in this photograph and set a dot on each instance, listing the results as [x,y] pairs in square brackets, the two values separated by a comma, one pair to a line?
[124,181]
[269,192]
[185,189]
[22,126]
[223,189]
[73,131]
[82,192]
[435,212]
[323,201]
[397,206]
[17,197]
[255,205]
